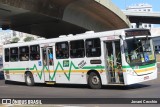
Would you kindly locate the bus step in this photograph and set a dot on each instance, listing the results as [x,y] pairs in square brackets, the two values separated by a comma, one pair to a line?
[50,82]
[116,84]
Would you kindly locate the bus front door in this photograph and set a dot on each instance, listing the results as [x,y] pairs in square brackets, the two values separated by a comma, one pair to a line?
[114,63]
[48,63]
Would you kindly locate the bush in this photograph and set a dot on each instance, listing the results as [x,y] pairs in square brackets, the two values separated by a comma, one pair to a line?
[28,39]
[15,40]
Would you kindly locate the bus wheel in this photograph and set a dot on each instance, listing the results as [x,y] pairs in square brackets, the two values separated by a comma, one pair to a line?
[29,79]
[94,81]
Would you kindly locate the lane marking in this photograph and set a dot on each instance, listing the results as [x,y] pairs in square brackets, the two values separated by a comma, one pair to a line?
[4,86]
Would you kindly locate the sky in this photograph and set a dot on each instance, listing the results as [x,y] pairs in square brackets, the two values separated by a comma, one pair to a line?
[122,4]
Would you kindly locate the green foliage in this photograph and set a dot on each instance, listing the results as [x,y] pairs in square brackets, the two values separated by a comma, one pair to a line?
[28,39]
[15,40]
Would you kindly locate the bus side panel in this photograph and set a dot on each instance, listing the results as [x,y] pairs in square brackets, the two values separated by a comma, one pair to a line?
[13,72]
[69,72]
[37,70]
[75,71]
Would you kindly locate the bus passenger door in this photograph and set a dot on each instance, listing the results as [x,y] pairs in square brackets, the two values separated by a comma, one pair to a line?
[114,64]
[48,63]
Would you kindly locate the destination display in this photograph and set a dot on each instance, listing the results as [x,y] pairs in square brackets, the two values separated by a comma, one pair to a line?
[137,33]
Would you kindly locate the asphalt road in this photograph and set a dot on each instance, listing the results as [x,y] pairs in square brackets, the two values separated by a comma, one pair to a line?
[150,89]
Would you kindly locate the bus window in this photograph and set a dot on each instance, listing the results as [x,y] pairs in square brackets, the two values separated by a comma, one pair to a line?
[93,47]
[118,52]
[24,53]
[6,55]
[62,51]
[110,60]
[44,55]
[50,55]
[14,54]
[77,49]
[34,52]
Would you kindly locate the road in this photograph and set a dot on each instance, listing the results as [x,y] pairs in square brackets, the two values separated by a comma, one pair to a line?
[17,90]
[148,89]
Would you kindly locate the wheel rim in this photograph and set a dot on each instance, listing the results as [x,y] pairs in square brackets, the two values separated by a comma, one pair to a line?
[28,79]
[95,80]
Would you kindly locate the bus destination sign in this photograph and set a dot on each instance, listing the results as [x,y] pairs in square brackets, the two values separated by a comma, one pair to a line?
[137,33]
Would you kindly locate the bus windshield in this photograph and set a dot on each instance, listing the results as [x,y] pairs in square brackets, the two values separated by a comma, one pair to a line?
[138,51]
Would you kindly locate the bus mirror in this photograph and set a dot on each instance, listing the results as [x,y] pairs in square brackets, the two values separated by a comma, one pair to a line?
[146,46]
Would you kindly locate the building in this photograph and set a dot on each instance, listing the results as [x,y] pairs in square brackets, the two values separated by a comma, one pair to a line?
[156,39]
[6,37]
[141,8]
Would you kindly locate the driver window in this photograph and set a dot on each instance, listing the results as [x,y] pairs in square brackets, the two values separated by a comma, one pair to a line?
[50,56]
[118,52]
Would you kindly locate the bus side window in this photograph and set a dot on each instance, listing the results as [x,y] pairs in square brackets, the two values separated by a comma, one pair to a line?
[24,53]
[118,52]
[6,52]
[50,54]
[93,47]
[34,52]
[62,50]
[14,54]
[77,49]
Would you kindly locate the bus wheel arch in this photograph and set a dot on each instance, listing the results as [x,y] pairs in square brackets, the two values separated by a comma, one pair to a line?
[94,79]
[29,80]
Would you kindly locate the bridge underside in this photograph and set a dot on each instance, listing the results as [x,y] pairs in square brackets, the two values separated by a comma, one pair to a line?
[51,18]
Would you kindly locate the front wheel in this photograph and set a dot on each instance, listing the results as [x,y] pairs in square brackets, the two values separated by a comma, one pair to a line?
[29,79]
[94,81]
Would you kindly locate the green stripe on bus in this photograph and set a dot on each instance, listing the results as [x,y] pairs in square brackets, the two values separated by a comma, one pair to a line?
[126,67]
[14,69]
[93,67]
[141,67]
[72,66]
[146,66]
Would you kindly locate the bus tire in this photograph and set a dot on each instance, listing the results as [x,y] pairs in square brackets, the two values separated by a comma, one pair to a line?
[94,81]
[29,79]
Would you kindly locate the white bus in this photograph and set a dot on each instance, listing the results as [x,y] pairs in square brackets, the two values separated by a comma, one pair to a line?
[118,57]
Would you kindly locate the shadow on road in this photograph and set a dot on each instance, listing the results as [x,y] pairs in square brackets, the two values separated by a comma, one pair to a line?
[14,83]
[129,87]
[80,86]
[46,85]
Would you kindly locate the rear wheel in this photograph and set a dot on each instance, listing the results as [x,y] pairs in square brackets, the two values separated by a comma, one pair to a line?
[29,79]
[94,81]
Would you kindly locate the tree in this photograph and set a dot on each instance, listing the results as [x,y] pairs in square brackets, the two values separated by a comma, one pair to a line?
[28,39]
[15,40]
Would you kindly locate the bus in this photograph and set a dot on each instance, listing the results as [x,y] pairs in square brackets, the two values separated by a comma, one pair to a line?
[117,57]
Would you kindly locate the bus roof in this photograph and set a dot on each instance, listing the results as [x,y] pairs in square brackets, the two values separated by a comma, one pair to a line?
[62,38]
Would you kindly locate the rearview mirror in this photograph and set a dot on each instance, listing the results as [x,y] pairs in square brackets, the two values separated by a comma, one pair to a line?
[146,46]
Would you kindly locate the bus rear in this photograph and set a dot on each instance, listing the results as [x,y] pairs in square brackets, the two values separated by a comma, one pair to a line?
[138,58]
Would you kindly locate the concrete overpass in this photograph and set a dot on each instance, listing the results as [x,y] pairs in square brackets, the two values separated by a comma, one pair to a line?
[143,17]
[51,18]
